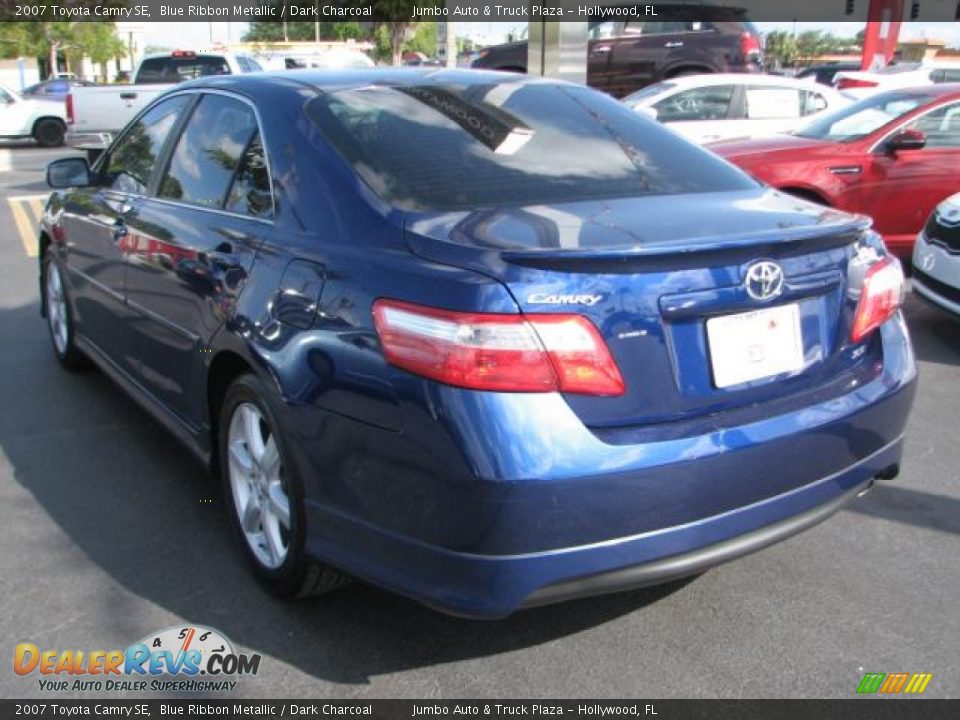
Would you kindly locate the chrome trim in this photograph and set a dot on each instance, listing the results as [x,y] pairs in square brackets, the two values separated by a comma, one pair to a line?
[216,211]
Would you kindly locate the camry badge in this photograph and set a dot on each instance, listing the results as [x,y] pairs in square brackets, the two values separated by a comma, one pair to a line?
[557,299]
[764,280]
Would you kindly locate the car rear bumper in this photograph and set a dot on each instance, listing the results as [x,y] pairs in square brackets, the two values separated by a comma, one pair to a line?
[631,517]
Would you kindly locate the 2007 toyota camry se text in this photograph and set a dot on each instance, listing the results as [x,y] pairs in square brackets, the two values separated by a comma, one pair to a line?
[485,340]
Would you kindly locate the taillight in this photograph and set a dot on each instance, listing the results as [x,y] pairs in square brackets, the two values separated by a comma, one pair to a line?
[880,297]
[849,83]
[70,108]
[510,353]
[749,45]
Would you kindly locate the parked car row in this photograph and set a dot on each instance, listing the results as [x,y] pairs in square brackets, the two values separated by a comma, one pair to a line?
[25,117]
[707,108]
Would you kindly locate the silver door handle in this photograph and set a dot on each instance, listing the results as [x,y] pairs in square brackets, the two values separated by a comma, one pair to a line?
[678,43]
[601,50]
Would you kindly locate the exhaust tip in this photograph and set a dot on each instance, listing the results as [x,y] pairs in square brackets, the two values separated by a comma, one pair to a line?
[866,488]
[889,473]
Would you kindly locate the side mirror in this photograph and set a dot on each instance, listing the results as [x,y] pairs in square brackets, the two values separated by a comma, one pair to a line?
[68,172]
[906,140]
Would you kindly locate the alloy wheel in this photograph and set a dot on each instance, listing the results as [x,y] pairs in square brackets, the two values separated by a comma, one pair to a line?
[257,484]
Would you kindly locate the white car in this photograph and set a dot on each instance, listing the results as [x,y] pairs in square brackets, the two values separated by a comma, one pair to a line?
[708,108]
[936,257]
[858,84]
[43,120]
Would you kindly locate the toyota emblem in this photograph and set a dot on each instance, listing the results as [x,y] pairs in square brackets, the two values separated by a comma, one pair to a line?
[764,280]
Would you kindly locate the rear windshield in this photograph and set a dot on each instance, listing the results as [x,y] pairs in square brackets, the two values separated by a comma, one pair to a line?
[179,69]
[453,147]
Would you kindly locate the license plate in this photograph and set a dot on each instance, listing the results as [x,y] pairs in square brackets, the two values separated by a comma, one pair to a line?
[754,345]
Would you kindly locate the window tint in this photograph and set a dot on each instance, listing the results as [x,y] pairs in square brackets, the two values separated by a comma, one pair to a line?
[769,103]
[177,69]
[250,193]
[455,147]
[5,97]
[131,161]
[705,103]
[812,102]
[945,75]
[209,151]
[862,118]
[667,28]
[942,127]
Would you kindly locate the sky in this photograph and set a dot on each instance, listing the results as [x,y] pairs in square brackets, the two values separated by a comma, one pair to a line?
[197,35]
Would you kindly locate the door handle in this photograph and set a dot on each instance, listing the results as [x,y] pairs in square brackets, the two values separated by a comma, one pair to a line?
[675,44]
[128,96]
[602,50]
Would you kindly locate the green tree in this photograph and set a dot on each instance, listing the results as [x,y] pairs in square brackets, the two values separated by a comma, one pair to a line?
[99,42]
[813,43]
[424,39]
[780,49]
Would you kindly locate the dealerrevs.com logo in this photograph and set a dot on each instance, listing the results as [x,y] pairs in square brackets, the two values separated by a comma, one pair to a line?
[177,659]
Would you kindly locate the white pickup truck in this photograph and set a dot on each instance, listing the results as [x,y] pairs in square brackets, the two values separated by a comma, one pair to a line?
[96,114]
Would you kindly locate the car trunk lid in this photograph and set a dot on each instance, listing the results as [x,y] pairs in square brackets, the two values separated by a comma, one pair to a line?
[657,275]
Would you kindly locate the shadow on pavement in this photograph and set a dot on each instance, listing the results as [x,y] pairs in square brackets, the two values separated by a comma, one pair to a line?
[135,503]
[912,507]
[940,340]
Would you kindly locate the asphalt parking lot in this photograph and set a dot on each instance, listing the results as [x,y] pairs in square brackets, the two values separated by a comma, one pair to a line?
[110,531]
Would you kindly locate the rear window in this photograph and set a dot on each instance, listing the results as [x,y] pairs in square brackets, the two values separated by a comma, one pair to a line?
[451,147]
[179,69]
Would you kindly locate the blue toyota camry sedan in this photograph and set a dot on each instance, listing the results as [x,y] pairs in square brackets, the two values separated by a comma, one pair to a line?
[485,340]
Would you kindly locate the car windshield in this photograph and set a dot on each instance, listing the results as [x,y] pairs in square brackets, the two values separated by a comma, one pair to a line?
[648,91]
[860,119]
[449,147]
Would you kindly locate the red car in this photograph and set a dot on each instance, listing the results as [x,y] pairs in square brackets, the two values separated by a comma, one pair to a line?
[893,156]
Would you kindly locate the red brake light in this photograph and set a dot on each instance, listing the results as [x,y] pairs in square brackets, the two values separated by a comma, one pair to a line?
[510,353]
[183,53]
[847,83]
[749,44]
[70,108]
[880,298]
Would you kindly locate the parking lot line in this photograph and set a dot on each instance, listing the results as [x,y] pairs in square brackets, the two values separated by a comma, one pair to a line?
[27,211]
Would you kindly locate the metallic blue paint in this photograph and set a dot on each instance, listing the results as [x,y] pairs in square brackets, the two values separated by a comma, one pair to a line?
[470,501]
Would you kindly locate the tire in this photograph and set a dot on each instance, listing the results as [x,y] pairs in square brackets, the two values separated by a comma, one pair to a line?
[263,492]
[684,72]
[59,314]
[49,132]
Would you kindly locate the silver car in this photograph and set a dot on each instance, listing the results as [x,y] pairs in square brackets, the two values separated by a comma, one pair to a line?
[936,257]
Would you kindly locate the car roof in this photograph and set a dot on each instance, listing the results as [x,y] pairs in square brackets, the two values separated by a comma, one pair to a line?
[254,84]
[741,79]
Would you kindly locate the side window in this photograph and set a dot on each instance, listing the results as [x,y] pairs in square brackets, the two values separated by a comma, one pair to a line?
[209,152]
[601,30]
[132,159]
[769,103]
[250,193]
[667,28]
[813,102]
[706,103]
[157,70]
[945,75]
[942,127]
[5,97]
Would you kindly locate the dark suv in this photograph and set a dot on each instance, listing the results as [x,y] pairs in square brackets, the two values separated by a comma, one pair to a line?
[625,56]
